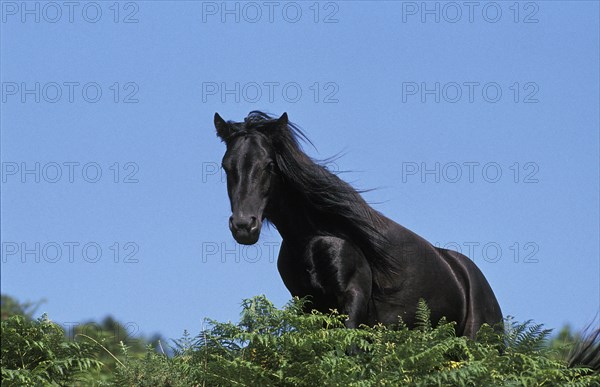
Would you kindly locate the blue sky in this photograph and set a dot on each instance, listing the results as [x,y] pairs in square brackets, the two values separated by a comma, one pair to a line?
[480,132]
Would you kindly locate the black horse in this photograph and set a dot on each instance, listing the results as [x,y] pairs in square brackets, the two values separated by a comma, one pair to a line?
[336,248]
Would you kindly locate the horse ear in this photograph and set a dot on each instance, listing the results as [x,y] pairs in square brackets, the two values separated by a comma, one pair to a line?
[283,120]
[223,128]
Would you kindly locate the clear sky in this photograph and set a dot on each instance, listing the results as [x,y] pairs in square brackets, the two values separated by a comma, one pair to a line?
[480,132]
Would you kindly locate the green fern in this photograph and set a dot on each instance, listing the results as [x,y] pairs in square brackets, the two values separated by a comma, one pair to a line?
[287,347]
[423,316]
[35,352]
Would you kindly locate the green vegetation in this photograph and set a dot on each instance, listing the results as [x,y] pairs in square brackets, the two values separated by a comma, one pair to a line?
[285,347]
[40,352]
[35,352]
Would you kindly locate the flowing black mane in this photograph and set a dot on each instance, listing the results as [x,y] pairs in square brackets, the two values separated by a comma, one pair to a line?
[324,191]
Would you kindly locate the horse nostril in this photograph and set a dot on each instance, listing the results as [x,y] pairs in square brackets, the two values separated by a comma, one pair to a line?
[249,224]
[253,223]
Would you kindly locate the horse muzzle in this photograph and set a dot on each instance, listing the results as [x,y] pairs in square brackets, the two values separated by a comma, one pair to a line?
[245,230]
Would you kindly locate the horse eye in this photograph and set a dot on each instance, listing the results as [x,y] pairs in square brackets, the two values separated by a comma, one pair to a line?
[271,167]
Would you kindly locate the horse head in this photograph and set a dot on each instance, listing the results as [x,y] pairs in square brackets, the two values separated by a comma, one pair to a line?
[250,165]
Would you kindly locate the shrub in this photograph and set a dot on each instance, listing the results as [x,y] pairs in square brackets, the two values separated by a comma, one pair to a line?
[273,347]
[287,347]
[35,352]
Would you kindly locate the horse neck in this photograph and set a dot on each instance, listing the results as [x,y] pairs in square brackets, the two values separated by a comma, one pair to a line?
[291,214]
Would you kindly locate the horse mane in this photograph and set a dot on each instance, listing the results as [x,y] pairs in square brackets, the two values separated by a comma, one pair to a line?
[324,191]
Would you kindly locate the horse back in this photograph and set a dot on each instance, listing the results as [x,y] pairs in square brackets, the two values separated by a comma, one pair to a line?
[451,284]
